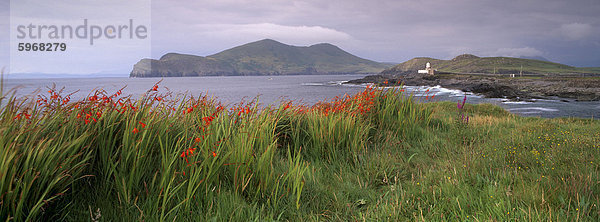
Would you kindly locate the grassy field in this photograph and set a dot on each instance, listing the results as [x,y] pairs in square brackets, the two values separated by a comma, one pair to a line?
[374,156]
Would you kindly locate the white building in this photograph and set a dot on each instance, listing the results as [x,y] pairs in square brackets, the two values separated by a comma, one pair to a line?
[427,70]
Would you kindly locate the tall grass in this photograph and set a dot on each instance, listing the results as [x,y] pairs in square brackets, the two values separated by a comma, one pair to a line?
[377,155]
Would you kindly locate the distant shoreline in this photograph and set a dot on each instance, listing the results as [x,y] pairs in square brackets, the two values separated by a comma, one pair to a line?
[524,88]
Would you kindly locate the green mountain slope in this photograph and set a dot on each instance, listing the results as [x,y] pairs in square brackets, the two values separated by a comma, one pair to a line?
[500,65]
[265,57]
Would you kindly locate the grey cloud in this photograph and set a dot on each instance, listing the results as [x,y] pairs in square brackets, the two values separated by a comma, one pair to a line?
[385,30]
[576,31]
[398,30]
[4,36]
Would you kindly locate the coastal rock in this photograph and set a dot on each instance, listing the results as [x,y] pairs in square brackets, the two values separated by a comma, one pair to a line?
[495,77]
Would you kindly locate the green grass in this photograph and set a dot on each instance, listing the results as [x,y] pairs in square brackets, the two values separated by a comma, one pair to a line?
[375,156]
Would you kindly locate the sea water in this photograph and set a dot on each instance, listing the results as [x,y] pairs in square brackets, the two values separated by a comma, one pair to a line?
[307,89]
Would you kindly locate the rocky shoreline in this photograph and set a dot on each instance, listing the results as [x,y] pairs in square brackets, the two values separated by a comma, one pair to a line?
[497,86]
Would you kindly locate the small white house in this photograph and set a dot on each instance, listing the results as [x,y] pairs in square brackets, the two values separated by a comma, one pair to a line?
[427,70]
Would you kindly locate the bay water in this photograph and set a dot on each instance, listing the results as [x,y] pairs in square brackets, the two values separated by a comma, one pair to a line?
[307,89]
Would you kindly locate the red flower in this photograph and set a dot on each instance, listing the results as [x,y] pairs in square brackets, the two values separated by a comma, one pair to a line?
[214,154]
[155,88]
[143,125]
[208,120]
[197,140]
[184,156]
[135,130]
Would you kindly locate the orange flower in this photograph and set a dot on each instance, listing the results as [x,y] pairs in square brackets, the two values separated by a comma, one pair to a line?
[135,130]
[208,120]
[155,88]
[143,125]
[197,140]
[184,156]
[214,154]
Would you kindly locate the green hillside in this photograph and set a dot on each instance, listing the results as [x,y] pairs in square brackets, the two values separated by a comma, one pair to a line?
[500,65]
[265,57]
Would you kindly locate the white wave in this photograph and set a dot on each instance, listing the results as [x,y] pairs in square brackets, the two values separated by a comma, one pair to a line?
[337,82]
[448,91]
[516,102]
[534,108]
[531,112]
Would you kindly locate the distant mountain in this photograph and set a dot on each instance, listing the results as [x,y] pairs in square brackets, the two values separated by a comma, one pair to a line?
[467,63]
[264,57]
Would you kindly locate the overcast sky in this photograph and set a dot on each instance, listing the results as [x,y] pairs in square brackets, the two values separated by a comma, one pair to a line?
[382,30]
